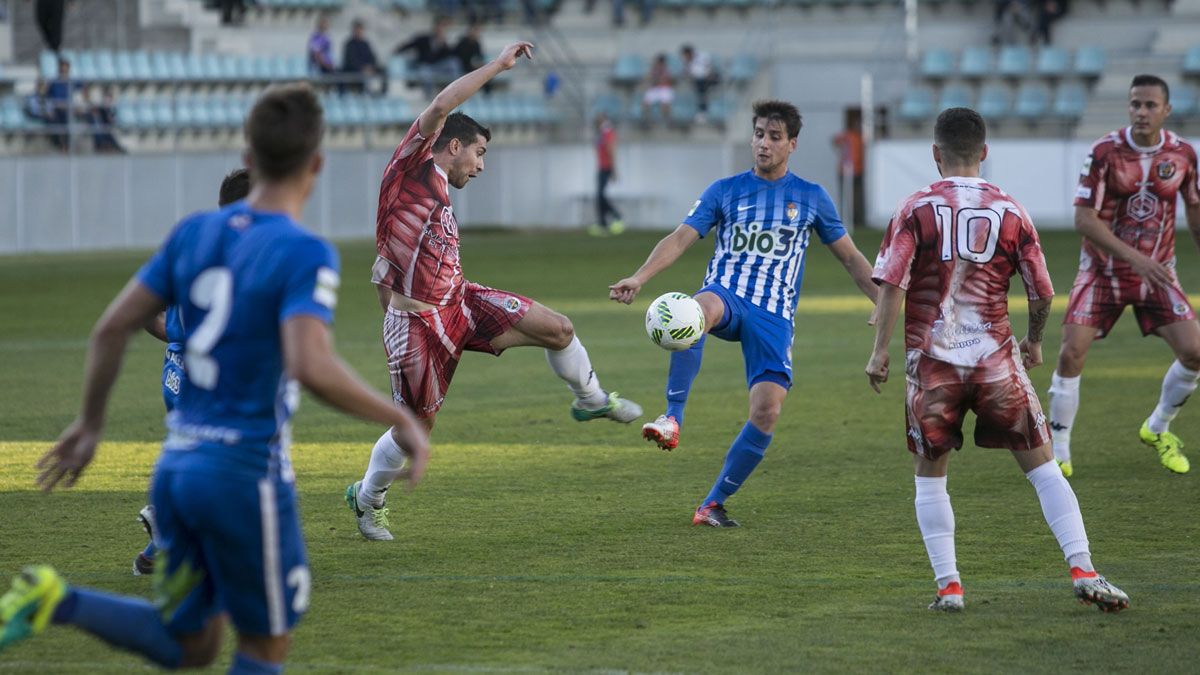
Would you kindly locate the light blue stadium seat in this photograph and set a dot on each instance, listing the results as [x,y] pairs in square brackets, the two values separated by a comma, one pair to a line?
[356,114]
[202,116]
[159,70]
[164,114]
[245,68]
[193,67]
[185,113]
[142,70]
[123,62]
[218,112]
[719,109]
[629,69]
[917,104]
[296,67]
[954,96]
[267,68]
[742,68]
[685,107]
[1191,61]
[976,62]
[995,101]
[1053,62]
[236,109]
[1014,61]
[106,67]
[937,64]
[397,68]
[1070,100]
[145,115]
[609,104]
[48,65]
[230,67]
[674,65]
[400,112]
[1033,101]
[1183,102]
[1089,61]
[335,112]
[177,66]
[210,67]
[127,117]
[84,66]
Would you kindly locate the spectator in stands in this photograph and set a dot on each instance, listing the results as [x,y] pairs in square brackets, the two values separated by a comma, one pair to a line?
[49,15]
[698,67]
[36,107]
[103,119]
[660,89]
[359,62]
[435,62]
[1013,21]
[320,49]
[469,52]
[232,11]
[1049,11]
[606,170]
[60,95]
[849,145]
[645,8]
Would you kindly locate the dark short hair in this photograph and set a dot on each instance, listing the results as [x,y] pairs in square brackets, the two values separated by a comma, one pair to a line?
[1152,81]
[284,130]
[461,126]
[687,49]
[235,187]
[781,111]
[960,134]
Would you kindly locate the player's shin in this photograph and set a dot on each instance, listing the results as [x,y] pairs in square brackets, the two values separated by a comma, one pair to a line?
[244,664]
[685,365]
[1178,384]
[743,456]
[1061,510]
[125,622]
[387,461]
[575,368]
[935,517]
[1064,404]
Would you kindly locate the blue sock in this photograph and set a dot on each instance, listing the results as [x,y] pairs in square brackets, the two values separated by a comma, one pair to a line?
[125,622]
[745,454]
[149,550]
[245,665]
[685,365]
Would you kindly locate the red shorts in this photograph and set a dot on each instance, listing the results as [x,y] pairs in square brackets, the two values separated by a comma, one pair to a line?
[1007,411]
[1098,300]
[423,348]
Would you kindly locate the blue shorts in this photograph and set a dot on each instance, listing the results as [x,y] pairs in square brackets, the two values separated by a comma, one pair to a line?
[227,544]
[766,338]
[172,379]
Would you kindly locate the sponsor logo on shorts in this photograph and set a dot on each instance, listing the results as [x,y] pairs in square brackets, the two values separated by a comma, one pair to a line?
[1165,169]
[1180,309]
[512,305]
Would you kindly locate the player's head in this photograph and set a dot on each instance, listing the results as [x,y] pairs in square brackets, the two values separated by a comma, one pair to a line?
[234,188]
[459,150]
[323,23]
[283,132]
[1149,104]
[959,141]
[776,127]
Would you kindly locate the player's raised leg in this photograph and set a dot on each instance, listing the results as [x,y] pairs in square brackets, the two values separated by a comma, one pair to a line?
[543,327]
[1064,388]
[935,518]
[1177,386]
[681,373]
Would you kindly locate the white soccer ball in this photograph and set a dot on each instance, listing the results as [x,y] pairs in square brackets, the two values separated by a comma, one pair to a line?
[674,321]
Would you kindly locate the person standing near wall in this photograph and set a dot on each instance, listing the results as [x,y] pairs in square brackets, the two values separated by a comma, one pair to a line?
[606,170]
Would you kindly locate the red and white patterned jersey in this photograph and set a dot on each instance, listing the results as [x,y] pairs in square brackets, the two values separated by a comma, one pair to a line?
[1134,189]
[953,246]
[416,234]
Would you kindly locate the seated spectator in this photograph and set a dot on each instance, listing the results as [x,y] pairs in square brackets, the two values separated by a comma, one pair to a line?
[698,67]
[469,52]
[435,61]
[660,89]
[103,119]
[60,95]
[36,107]
[232,11]
[1049,11]
[1014,21]
[320,49]
[359,62]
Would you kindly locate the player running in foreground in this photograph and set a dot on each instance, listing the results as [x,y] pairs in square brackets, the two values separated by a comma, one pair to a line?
[1125,210]
[432,314]
[256,293]
[950,250]
[168,328]
[763,219]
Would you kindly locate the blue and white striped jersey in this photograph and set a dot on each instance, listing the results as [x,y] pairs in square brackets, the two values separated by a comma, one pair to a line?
[762,233]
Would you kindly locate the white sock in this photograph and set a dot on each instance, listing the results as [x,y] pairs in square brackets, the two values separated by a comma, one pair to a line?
[386,463]
[1064,403]
[575,368]
[1178,384]
[1061,510]
[936,519]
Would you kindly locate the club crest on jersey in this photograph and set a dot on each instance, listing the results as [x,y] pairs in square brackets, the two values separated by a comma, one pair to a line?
[1142,207]
[1165,170]
[793,212]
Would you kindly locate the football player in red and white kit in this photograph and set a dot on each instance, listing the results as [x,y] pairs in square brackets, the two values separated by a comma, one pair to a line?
[432,314]
[1125,210]
[949,251]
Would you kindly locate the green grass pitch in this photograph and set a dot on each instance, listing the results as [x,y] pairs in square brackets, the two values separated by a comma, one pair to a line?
[538,543]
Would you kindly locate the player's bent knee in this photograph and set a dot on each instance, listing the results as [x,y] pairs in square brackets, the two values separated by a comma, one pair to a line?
[1190,360]
[202,649]
[561,333]
[765,416]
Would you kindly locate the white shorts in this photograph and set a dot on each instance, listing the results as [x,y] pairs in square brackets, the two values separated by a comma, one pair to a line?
[659,95]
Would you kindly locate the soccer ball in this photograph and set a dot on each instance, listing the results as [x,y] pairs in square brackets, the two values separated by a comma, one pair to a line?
[674,321]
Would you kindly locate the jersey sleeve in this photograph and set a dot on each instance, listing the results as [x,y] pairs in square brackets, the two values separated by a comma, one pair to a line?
[1031,261]
[155,274]
[893,265]
[414,149]
[827,222]
[1090,191]
[707,212]
[312,286]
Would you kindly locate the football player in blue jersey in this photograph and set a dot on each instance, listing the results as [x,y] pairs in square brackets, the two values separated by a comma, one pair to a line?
[168,328]
[762,220]
[256,294]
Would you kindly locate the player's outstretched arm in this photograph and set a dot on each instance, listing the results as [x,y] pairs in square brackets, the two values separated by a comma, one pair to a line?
[310,359]
[1088,223]
[890,299]
[665,253]
[856,266]
[133,307]
[458,91]
[1031,345]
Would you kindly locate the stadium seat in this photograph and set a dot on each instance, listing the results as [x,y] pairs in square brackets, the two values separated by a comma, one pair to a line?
[742,68]
[916,105]
[1183,102]
[48,65]
[1014,61]
[685,107]
[1089,61]
[954,96]
[141,69]
[84,66]
[937,64]
[1033,101]
[1053,62]
[976,62]
[397,68]
[629,69]
[674,65]
[719,108]
[994,101]
[1070,101]
[609,104]
[1191,61]
[123,64]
